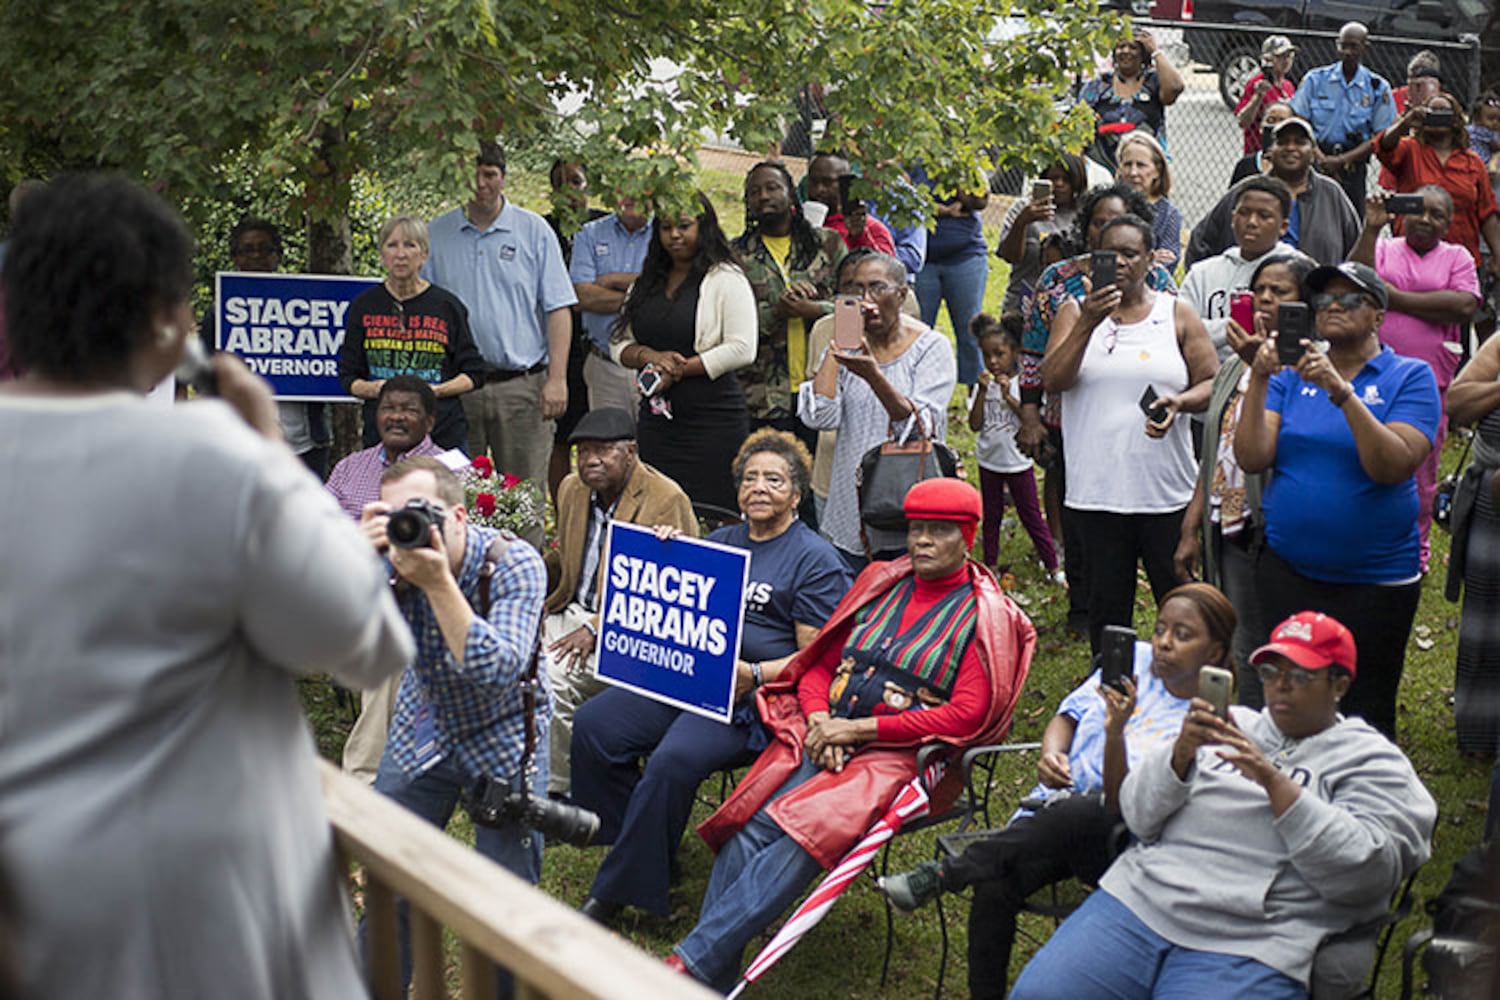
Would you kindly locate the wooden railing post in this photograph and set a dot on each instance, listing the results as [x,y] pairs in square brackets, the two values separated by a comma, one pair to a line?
[427,957]
[382,950]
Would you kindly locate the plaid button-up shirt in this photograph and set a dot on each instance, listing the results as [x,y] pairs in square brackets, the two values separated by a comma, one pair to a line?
[477,707]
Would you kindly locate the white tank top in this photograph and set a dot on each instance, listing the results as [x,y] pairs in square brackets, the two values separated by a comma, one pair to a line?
[1112,465]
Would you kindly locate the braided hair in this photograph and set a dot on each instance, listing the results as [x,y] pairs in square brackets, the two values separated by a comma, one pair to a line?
[805,241]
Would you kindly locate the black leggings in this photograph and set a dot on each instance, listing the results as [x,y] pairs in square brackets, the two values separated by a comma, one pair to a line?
[1072,837]
[1379,616]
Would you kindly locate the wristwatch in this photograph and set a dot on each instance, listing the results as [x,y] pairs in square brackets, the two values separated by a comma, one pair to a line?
[757,675]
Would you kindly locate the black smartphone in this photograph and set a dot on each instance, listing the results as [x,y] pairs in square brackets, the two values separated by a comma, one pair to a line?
[1293,325]
[648,381]
[1104,267]
[850,203]
[1438,118]
[1406,204]
[1116,656]
[1266,136]
[1148,402]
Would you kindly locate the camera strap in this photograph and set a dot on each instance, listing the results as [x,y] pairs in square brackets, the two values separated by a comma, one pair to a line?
[492,556]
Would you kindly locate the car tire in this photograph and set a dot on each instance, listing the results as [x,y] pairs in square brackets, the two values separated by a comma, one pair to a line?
[1236,67]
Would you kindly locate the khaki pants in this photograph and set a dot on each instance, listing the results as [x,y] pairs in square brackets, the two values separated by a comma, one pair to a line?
[505,422]
[570,688]
[610,385]
[366,742]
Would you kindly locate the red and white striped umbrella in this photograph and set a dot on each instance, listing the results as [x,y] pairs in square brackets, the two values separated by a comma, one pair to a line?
[912,801]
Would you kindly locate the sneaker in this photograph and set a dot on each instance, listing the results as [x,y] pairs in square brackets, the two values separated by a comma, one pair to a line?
[909,890]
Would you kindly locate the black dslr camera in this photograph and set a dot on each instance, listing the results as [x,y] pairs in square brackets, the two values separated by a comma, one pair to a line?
[407,528]
[494,802]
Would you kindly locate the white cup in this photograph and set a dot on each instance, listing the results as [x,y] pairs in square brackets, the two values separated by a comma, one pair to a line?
[815,212]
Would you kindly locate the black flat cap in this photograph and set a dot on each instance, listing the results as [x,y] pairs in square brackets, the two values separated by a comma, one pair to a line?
[608,423]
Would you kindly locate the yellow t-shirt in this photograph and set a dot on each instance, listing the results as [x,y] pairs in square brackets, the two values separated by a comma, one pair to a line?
[796,330]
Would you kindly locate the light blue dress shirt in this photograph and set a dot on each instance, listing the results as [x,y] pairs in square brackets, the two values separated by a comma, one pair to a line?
[1337,107]
[601,247]
[509,275]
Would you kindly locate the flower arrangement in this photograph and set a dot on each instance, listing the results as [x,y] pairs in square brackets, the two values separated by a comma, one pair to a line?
[501,500]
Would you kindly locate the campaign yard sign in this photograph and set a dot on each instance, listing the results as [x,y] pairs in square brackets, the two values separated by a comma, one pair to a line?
[287,328]
[672,613]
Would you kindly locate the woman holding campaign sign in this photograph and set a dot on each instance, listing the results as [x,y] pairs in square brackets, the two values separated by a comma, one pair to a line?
[406,325]
[924,649]
[796,578]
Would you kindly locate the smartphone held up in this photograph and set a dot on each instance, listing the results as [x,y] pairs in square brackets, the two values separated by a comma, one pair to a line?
[1216,686]
[1293,326]
[1116,656]
[848,324]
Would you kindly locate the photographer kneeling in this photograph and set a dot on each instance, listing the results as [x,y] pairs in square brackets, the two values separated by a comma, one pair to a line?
[473,710]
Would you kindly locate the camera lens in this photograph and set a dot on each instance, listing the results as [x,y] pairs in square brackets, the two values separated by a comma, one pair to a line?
[407,527]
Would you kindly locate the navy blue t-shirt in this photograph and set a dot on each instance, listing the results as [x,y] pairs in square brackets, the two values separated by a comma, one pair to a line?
[795,577]
[1323,514]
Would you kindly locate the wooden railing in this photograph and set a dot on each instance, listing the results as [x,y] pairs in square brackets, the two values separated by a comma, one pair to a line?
[551,949]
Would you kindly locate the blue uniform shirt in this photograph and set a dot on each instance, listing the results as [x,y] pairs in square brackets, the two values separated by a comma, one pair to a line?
[601,247]
[1336,108]
[509,276]
[795,577]
[1323,515]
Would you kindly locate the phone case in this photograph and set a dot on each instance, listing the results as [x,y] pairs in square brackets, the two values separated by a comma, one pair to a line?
[1242,310]
[848,325]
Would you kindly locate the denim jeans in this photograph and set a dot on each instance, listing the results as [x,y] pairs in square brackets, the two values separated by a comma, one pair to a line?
[1104,950]
[961,283]
[433,796]
[759,872]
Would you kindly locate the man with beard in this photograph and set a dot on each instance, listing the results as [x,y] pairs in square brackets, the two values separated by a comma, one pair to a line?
[611,484]
[791,265]
[1322,224]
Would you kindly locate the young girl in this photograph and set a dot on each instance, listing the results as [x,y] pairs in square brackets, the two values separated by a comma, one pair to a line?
[995,417]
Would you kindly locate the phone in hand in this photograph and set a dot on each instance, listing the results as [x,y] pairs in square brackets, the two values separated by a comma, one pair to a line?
[1406,204]
[1216,686]
[1150,403]
[1293,325]
[1116,656]
[1438,118]
[648,381]
[848,324]
[1041,190]
[1242,310]
[1103,268]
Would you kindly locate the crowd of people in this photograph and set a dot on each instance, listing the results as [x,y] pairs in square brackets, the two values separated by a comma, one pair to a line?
[1249,406]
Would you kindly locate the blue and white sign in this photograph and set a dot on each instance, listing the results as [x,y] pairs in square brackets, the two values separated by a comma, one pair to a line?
[672,616]
[287,328]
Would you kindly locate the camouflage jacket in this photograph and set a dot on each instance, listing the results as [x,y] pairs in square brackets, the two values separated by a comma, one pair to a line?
[768,382]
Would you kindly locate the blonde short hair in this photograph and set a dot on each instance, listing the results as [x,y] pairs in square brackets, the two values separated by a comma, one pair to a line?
[410,225]
[1140,137]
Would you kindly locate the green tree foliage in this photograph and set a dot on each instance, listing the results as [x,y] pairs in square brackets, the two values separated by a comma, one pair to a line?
[282,105]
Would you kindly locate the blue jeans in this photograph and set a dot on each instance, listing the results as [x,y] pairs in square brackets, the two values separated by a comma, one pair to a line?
[759,873]
[643,811]
[961,282]
[1104,951]
[433,796]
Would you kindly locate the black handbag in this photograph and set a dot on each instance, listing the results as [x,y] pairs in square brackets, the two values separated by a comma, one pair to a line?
[887,471]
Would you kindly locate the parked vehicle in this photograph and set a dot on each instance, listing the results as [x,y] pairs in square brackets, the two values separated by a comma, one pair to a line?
[1226,35]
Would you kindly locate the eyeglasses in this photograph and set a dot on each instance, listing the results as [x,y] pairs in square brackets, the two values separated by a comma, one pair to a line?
[1272,674]
[874,289]
[1348,301]
[770,480]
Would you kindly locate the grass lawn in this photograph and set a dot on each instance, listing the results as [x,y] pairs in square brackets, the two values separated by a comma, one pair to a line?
[842,956]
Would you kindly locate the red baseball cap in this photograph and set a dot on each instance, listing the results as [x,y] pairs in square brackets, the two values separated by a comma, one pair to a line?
[1312,640]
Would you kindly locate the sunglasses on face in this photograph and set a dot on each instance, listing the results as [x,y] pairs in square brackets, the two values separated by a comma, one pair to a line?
[1348,301]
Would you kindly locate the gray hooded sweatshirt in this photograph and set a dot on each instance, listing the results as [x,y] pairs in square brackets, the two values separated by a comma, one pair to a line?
[1215,871]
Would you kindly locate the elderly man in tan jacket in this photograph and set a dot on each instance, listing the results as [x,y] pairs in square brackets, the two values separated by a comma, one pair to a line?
[611,484]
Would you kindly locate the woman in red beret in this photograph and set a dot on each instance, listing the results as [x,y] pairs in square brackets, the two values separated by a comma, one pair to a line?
[923,649]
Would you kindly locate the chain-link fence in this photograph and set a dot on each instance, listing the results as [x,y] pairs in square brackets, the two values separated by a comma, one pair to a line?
[1204,142]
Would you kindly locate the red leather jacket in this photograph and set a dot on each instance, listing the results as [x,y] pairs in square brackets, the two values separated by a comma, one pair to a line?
[828,814]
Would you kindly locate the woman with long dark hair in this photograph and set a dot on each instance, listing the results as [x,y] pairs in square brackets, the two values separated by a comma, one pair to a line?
[689,320]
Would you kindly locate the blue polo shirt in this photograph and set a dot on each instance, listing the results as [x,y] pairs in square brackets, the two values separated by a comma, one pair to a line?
[601,247]
[509,275]
[1323,515]
[1336,107]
